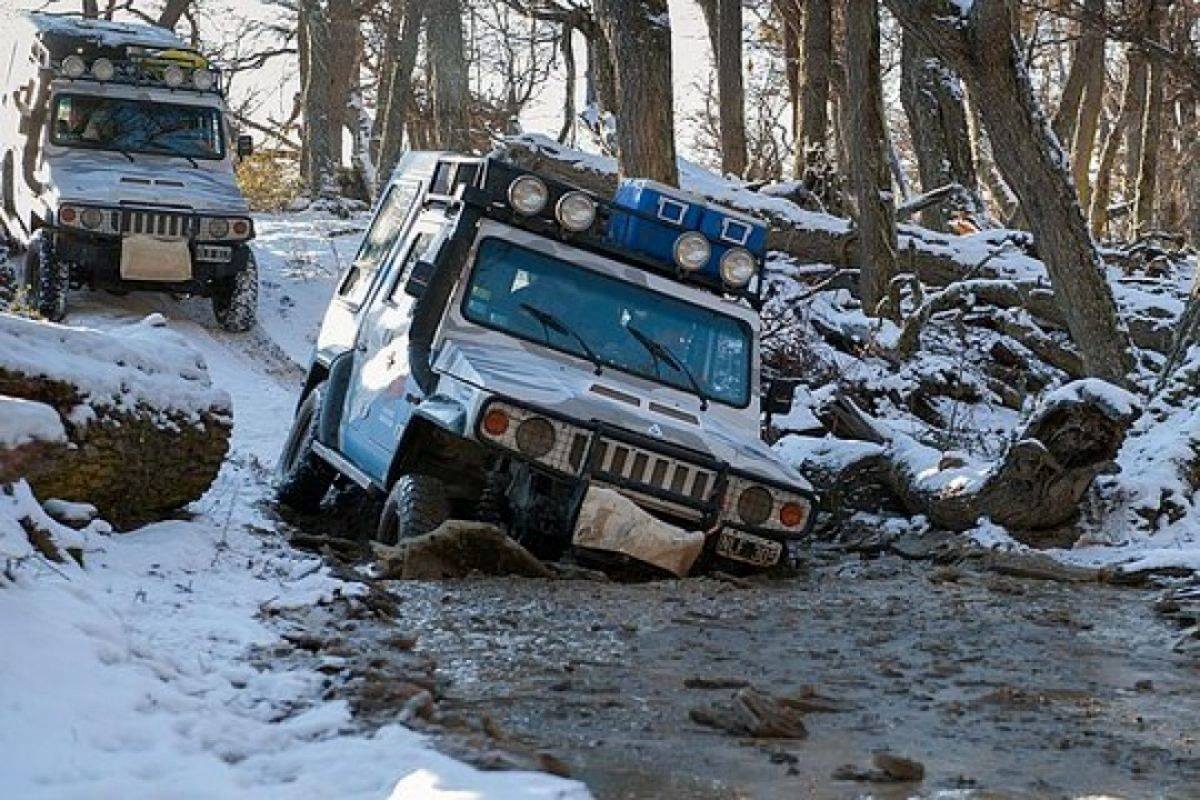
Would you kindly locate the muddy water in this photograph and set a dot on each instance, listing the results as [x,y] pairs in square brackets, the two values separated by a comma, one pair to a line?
[999,687]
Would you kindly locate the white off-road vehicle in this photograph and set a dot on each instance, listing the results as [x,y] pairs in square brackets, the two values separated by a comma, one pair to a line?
[117,167]
[510,348]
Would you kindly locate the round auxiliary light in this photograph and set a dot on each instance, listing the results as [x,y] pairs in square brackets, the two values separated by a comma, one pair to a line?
[173,76]
[793,515]
[535,437]
[737,267]
[528,195]
[495,422]
[692,251]
[202,79]
[67,215]
[218,228]
[575,211]
[754,506]
[73,66]
[91,218]
[103,69]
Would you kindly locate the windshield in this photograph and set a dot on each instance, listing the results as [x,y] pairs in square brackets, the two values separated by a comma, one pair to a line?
[138,126]
[511,284]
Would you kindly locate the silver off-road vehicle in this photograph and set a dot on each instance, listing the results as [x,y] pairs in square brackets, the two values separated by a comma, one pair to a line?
[116,166]
[504,345]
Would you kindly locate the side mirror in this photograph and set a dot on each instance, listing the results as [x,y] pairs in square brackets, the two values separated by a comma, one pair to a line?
[245,145]
[778,399]
[419,279]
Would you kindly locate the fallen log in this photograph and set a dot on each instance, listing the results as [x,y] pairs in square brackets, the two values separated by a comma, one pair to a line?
[127,421]
[1037,485]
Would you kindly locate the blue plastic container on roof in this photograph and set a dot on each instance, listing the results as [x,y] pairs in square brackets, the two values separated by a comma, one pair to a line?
[666,212]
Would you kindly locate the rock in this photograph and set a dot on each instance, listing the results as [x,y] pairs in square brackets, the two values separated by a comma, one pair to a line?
[900,769]
[715,683]
[1036,566]
[459,548]
[611,522]
[74,515]
[755,714]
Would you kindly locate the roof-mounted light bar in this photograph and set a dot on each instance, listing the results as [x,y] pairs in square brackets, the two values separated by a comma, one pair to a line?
[152,71]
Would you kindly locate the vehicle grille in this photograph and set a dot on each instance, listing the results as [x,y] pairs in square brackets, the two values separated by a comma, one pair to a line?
[619,462]
[156,223]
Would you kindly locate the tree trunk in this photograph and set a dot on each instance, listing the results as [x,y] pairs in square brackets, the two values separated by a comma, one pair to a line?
[1092,52]
[730,89]
[1145,200]
[1102,195]
[1031,161]
[1067,113]
[868,157]
[932,96]
[448,71]
[320,165]
[345,35]
[172,12]
[812,122]
[399,90]
[639,37]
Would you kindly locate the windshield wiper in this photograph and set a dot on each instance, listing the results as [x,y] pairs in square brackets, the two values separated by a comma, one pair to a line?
[127,154]
[555,324]
[168,149]
[659,352]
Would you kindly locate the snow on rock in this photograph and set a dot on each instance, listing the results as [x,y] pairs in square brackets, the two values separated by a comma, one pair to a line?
[22,521]
[24,421]
[140,364]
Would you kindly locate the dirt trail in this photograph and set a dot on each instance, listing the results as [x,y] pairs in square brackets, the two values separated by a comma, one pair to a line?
[998,686]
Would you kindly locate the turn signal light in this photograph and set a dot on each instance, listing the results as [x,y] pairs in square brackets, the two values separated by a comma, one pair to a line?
[793,515]
[495,422]
[67,215]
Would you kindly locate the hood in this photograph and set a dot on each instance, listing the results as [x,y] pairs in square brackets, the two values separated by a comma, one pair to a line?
[578,393]
[110,178]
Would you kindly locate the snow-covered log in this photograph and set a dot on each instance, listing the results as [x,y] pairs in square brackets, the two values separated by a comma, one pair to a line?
[1037,485]
[127,421]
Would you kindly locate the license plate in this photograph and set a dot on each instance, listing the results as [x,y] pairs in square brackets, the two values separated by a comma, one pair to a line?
[748,549]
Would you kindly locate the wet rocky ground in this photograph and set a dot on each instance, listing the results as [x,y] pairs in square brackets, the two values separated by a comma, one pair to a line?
[995,685]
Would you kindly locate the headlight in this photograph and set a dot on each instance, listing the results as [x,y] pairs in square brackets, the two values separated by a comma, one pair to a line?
[549,442]
[528,195]
[754,506]
[73,66]
[737,267]
[92,218]
[692,251]
[173,76]
[575,211]
[202,79]
[103,69]
[218,228]
[535,437]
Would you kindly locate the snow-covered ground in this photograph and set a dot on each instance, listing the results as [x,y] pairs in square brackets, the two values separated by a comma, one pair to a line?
[131,677]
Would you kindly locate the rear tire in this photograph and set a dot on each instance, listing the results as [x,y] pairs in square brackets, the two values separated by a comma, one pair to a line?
[235,300]
[303,477]
[415,506]
[46,280]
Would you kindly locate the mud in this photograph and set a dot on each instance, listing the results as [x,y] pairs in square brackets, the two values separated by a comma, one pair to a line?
[997,686]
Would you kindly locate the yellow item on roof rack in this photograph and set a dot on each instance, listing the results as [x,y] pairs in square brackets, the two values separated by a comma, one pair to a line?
[189,59]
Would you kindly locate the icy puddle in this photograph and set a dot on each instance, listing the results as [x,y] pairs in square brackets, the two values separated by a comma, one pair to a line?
[999,687]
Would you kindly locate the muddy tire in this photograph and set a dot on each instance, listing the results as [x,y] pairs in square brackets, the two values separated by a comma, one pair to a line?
[235,300]
[303,478]
[416,505]
[46,280]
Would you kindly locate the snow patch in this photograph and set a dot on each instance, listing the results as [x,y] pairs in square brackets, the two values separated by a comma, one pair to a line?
[24,421]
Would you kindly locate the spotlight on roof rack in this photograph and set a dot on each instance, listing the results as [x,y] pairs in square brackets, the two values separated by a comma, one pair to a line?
[73,67]
[737,267]
[103,69]
[575,211]
[173,76]
[528,195]
[202,79]
[692,251]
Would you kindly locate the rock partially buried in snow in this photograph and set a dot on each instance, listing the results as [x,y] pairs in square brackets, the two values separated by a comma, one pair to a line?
[459,548]
[613,523]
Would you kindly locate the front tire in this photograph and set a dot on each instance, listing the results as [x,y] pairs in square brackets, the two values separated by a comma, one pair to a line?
[415,506]
[304,478]
[235,300]
[46,280]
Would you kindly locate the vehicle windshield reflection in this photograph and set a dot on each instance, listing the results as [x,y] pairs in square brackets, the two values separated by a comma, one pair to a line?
[138,126]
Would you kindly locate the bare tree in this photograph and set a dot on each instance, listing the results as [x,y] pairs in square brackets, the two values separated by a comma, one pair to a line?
[812,121]
[1145,200]
[639,37]
[868,158]
[724,19]
[448,75]
[319,163]
[394,102]
[983,46]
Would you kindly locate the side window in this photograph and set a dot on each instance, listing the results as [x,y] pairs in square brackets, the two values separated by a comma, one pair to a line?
[419,246]
[381,236]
